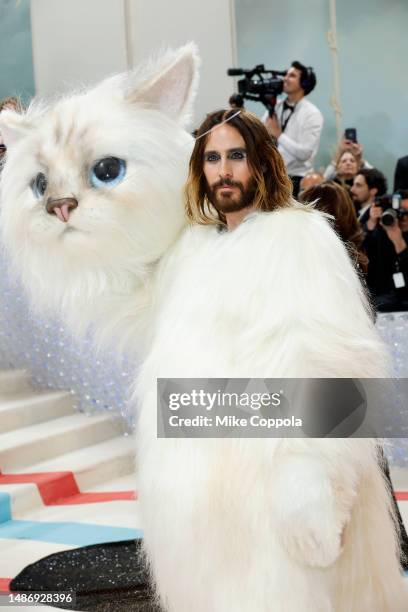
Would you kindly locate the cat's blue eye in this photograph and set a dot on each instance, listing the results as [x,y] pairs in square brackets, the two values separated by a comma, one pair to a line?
[107,172]
[39,185]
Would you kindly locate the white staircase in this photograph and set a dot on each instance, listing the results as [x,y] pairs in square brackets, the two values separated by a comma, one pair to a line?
[41,433]
[61,473]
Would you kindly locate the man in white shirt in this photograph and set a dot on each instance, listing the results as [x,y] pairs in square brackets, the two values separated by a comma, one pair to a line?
[296,123]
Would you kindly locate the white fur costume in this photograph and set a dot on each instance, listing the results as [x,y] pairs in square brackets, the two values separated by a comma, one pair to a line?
[230,525]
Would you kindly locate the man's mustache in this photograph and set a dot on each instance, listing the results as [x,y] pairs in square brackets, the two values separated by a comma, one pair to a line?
[226,182]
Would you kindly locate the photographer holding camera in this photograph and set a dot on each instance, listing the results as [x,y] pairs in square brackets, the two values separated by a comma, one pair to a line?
[368,184]
[296,123]
[386,247]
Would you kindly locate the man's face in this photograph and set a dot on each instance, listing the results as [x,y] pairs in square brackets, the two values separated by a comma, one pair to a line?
[311,180]
[291,81]
[403,222]
[230,184]
[360,190]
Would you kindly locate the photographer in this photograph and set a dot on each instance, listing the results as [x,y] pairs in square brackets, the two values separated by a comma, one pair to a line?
[386,248]
[296,123]
[368,185]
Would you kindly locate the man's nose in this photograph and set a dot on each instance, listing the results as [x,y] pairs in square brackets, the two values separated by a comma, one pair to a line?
[225,167]
[61,207]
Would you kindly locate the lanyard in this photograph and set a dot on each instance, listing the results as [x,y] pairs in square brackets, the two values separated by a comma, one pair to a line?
[285,123]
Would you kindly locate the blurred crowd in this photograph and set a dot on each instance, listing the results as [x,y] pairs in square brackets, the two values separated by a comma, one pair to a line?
[371,219]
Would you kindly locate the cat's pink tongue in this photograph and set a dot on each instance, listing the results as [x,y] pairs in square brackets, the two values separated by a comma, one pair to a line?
[62,212]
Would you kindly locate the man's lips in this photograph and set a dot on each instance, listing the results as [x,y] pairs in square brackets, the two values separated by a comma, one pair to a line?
[226,187]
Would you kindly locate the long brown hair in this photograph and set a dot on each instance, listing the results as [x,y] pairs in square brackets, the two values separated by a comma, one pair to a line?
[273,186]
[332,198]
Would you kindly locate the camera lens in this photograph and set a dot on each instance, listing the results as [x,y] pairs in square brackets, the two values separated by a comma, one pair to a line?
[388,217]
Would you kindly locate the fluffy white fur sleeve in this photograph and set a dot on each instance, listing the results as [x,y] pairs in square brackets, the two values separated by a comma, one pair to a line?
[307,314]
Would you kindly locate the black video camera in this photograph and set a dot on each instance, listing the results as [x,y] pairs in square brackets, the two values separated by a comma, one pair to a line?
[260,85]
[391,205]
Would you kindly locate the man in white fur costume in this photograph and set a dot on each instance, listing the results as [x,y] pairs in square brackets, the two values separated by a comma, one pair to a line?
[92,214]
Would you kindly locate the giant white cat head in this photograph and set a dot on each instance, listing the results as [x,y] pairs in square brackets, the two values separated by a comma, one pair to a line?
[91,191]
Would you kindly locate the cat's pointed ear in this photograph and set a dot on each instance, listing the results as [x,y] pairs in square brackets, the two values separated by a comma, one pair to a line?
[13,126]
[169,84]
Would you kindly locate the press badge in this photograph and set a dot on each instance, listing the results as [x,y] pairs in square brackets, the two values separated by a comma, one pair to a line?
[399,280]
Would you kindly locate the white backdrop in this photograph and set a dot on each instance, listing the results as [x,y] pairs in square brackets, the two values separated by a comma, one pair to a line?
[83,41]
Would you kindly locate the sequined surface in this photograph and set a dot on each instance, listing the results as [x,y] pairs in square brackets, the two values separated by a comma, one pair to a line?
[393,327]
[109,577]
[55,359]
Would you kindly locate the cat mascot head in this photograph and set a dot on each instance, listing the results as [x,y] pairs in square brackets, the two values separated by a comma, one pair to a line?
[91,190]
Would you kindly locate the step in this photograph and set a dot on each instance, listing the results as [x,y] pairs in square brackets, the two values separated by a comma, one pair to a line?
[23,499]
[110,468]
[48,440]
[129,482]
[17,554]
[119,513]
[28,408]
[95,464]
[399,477]
[13,381]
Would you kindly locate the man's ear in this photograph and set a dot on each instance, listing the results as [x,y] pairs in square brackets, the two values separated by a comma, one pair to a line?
[13,127]
[168,83]
[373,192]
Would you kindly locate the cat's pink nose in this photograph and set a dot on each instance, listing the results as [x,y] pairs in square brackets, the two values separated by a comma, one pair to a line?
[61,207]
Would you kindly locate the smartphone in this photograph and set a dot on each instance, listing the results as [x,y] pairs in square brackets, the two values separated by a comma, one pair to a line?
[350,134]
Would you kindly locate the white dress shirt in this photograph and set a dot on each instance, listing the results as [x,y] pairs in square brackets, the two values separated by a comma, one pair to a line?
[299,142]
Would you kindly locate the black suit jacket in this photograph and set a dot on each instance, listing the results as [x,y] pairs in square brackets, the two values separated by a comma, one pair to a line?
[401,174]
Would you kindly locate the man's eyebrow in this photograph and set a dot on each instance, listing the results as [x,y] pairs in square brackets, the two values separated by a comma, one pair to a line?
[240,149]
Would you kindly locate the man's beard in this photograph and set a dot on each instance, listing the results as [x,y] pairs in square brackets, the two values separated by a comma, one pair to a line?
[229,202]
[355,198]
